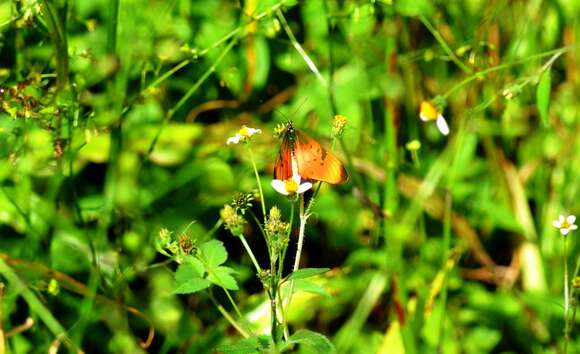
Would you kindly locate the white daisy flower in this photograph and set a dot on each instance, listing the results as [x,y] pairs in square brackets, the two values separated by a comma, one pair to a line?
[291,186]
[429,112]
[565,224]
[243,134]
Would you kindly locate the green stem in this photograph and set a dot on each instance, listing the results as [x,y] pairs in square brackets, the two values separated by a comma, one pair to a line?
[331,61]
[273,297]
[444,45]
[575,295]
[283,253]
[482,73]
[566,297]
[190,92]
[232,302]
[303,218]
[2,339]
[299,48]
[444,260]
[59,37]
[281,272]
[262,202]
[235,32]
[213,229]
[227,316]
[261,229]
[229,296]
[36,306]
[112,26]
[251,254]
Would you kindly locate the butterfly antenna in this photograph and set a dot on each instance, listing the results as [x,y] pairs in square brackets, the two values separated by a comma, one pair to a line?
[300,106]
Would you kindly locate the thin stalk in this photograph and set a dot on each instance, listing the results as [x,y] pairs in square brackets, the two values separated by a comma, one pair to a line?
[299,48]
[283,254]
[251,254]
[2,345]
[261,229]
[575,294]
[482,73]
[232,302]
[283,317]
[566,297]
[331,61]
[273,306]
[235,32]
[36,305]
[444,45]
[229,296]
[58,34]
[281,272]
[445,259]
[577,268]
[166,75]
[190,92]
[227,316]
[262,202]
[303,218]
[112,27]
[213,229]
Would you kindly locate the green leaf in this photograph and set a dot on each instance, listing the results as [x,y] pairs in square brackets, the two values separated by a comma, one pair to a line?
[246,346]
[310,287]
[214,253]
[189,277]
[543,96]
[318,342]
[190,268]
[191,286]
[307,273]
[222,276]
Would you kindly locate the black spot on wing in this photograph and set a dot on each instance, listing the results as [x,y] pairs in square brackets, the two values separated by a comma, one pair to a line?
[323,153]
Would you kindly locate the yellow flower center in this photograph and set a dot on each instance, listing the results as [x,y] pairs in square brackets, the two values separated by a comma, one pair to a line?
[429,110]
[413,145]
[339,120]
[565,224]
[244,131]
[291,186]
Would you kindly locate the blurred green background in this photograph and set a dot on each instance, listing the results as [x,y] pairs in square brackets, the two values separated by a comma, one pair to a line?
[113,120]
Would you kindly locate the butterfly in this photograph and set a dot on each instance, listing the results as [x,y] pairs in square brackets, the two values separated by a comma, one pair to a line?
[303,156]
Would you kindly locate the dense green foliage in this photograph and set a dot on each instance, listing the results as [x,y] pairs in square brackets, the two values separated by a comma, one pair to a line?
[114,173]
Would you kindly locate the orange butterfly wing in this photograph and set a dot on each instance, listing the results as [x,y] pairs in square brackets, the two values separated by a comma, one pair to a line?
[315,162]
[283,164]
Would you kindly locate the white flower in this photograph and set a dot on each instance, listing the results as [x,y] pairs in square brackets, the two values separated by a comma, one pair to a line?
[291,186]
[429,112]
[565,224]
[243,134]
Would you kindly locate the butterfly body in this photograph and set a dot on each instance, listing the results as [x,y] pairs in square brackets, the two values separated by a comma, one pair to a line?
[301,155]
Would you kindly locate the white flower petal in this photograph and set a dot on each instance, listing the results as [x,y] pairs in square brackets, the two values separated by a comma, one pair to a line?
[252,131]
[564,231]
[304,187]
[442,125]
[279,186]
[561,218]
[234,139]
[423,117]
[296,178]
[557,224]
[571,219]
[573,227]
